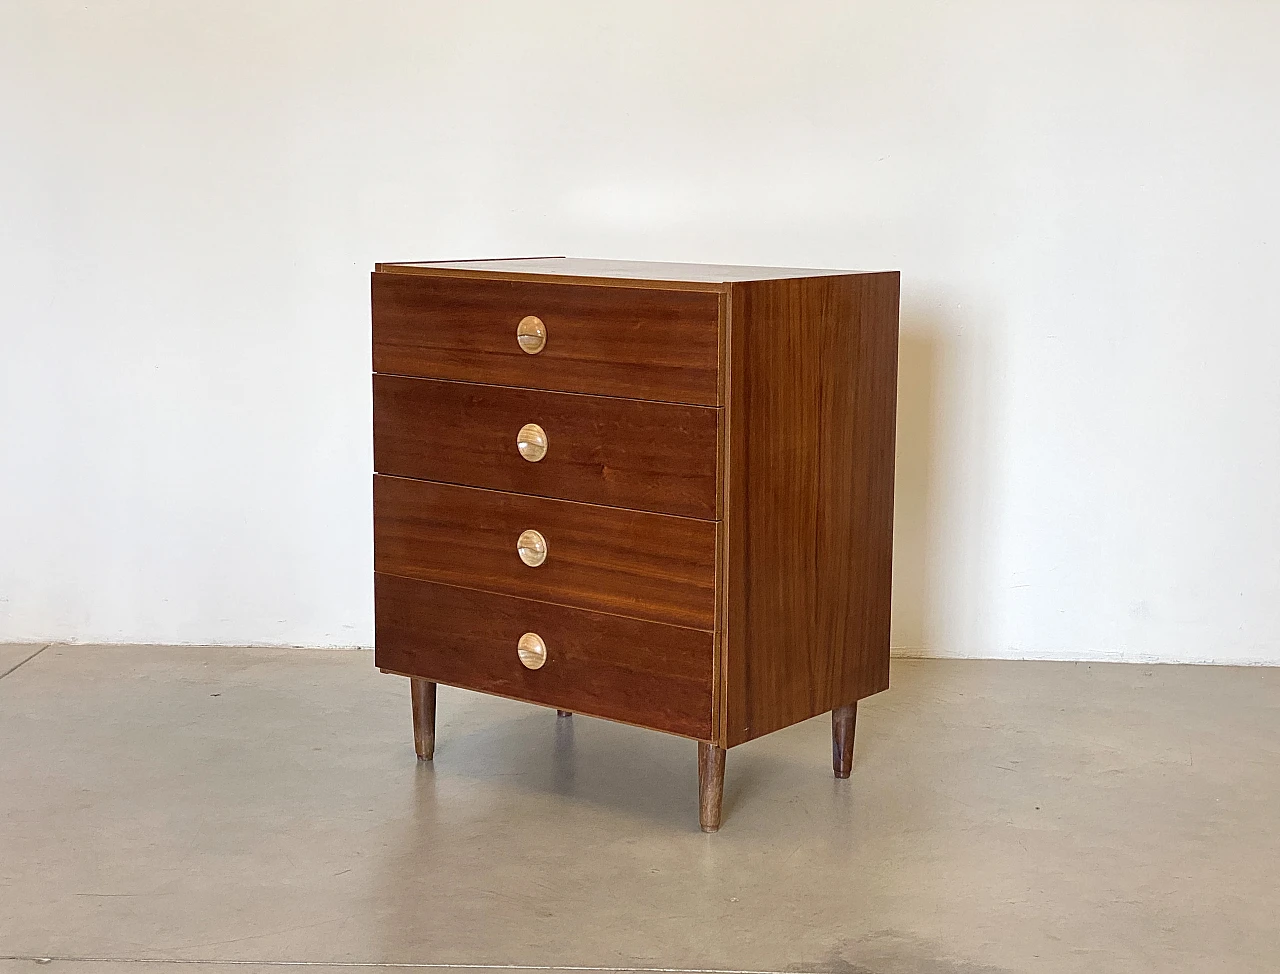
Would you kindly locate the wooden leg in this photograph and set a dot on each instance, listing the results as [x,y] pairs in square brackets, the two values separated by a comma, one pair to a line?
[843,720]
[710,785]
[564,713]
[423,694]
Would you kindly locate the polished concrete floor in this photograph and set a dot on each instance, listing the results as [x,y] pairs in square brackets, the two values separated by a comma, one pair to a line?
[236,811]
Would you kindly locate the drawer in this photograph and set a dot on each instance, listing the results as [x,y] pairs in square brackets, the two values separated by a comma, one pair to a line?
[650,456]
[607,666]
[647,566]
[634,342]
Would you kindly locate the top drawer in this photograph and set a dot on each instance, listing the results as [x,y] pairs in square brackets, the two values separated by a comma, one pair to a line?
[634,342]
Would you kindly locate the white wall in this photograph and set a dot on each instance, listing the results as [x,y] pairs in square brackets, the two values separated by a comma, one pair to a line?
[1081,194]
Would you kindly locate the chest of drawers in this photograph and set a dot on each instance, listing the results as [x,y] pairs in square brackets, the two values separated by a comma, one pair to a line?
[656,493]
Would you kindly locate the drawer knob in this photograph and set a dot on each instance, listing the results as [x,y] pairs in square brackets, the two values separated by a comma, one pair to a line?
[532,651]
[531,333]
[531,546]
[531,441]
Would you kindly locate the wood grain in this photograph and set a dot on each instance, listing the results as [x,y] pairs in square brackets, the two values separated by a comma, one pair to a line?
[637,672]
[632,342]
[653,612]
[843,724]
[646,566]
[422,695]
[710,785]
[809,518]
[648,456]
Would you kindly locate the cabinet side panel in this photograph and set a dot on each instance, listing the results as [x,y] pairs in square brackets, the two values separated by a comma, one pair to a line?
[856,474]
[812,401]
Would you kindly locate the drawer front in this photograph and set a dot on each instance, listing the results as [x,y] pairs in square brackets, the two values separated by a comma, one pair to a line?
[649,456]
[607,666]
[638,343]
[647,566]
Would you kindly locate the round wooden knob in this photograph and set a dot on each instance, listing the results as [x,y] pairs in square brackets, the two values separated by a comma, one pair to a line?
[531,546]
[532,651]
[531,441]
[531,334]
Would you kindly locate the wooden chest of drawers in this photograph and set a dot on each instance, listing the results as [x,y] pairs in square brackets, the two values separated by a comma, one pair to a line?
[656,493]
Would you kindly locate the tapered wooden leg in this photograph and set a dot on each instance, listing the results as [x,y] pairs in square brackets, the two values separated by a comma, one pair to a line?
[710,785]
[423,694]
[843,720]
[564,713]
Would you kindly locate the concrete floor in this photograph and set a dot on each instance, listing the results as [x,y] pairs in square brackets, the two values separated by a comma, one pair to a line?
[212,810]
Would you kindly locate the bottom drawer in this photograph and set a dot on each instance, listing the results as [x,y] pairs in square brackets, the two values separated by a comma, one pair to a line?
[643,673]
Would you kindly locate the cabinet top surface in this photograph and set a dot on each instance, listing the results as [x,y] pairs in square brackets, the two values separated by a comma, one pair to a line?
[627,270]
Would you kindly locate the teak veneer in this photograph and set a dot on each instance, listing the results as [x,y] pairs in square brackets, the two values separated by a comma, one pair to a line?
[660,494]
